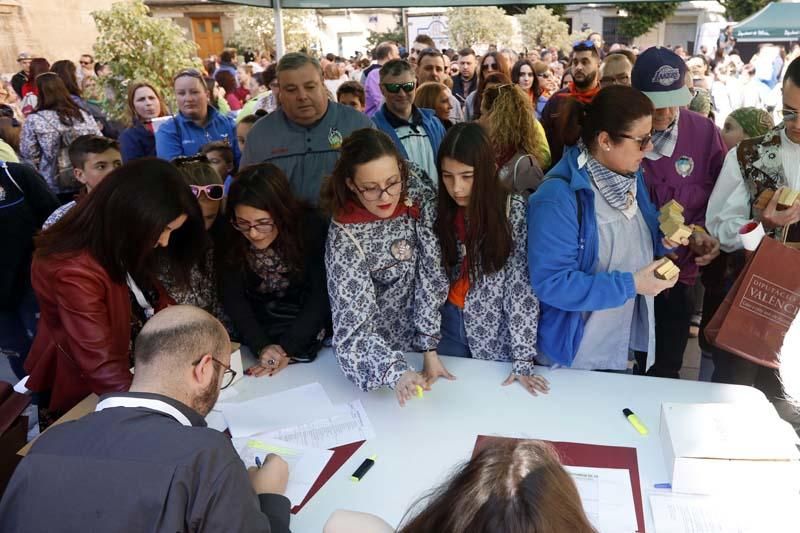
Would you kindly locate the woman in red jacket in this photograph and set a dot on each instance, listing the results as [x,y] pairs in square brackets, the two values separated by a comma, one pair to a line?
[83,268]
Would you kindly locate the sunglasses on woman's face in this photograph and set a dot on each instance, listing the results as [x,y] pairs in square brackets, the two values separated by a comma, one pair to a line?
[394,88]
[212,192]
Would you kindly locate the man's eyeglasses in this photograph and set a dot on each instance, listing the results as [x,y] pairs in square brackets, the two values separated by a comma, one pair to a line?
[789,115]
[212,192]
[643,141]
[620,79]
[227,377]
[374,193]
[261,227]
[85,63]
[394,88]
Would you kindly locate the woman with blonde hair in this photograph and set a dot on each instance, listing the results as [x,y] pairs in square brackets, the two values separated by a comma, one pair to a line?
[144,104]
[521,149]
[514,486]
[436,96]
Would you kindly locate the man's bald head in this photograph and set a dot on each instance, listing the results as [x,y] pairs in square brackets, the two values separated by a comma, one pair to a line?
[180,335]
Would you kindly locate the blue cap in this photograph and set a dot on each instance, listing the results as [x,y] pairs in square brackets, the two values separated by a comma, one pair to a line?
[661,75]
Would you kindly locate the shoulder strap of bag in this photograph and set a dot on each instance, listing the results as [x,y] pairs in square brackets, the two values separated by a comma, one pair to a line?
[8,173]
[140,298]
[352,238]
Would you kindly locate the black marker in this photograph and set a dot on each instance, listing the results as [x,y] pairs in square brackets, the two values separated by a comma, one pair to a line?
[363,469]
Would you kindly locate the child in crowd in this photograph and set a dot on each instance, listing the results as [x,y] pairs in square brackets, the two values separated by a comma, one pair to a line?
[220,156]
[352,93]
[92,158]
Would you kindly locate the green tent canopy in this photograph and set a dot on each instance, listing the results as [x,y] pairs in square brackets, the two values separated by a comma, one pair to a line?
[776,22]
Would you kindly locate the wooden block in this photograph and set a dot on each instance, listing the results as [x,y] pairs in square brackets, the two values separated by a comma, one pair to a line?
[763,199]
[676,231]
[677,217]
[788,197]
[672,206]
[667,270]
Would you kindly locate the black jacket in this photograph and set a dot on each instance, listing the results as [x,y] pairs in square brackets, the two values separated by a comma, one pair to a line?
[293,321]
[458,87]
[18,80]
[137,469]
[25,203]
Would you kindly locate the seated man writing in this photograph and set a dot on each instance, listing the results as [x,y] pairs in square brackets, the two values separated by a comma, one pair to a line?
[145,460]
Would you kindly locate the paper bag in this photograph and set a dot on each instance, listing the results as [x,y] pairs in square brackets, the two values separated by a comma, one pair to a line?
[757,312]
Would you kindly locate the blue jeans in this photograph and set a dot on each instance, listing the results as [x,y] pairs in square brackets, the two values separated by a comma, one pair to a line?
[17,329]
[454,334]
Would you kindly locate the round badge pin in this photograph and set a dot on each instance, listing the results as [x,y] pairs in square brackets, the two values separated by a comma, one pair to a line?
[401,249]
[684,166]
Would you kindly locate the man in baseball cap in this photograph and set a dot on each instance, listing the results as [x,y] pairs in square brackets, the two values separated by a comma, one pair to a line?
[20,78]
[686,159]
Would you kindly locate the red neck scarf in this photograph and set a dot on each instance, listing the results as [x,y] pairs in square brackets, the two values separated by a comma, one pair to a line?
[583,97]
[355,213]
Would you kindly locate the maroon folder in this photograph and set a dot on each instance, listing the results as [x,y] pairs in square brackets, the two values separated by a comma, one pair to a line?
[591,455]
[340,456]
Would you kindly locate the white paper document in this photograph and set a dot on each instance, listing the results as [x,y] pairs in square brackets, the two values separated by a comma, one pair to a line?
[215,420]
[345,423]
[305,464]
[284,409]
[683,513]
[607,497]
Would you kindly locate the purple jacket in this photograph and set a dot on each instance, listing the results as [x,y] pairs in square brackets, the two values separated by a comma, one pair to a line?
[373,92]
[698,155]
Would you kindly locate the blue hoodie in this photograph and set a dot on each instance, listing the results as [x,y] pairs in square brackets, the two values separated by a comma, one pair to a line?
[562,256]
[182,137]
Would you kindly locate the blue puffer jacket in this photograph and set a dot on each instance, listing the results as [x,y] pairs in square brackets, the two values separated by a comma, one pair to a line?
[180,136]
[563,254]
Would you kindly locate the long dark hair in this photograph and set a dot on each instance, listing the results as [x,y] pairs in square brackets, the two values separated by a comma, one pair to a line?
[489,240]
[517,70]
[362,146]
[509,487]
[120,222]
[39,65]
[264,186]
[53,95]
[66,71]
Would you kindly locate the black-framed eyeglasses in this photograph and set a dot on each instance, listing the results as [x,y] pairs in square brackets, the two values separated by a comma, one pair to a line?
[789,115]
[227,377]
[394,88]
[643,141]
[261,227]
[374,193]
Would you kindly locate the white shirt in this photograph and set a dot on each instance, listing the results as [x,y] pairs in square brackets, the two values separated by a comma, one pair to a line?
[729,204]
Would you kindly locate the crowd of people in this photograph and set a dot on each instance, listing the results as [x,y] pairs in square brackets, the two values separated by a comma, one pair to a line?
[497,206]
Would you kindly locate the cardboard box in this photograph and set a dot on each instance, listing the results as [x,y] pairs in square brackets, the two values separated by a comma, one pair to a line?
[716,448]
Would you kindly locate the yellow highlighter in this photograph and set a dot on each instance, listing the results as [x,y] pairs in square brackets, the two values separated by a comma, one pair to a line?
[635,422]
[419,391]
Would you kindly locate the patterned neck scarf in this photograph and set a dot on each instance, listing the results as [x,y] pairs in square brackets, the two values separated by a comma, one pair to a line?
[270,268]
[664,141]
[617,189]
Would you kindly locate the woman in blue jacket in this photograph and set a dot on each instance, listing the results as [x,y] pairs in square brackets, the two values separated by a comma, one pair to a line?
[197,123]
[592,239]
[144,105]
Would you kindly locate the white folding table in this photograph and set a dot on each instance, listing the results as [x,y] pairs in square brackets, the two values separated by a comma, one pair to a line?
[420,444]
